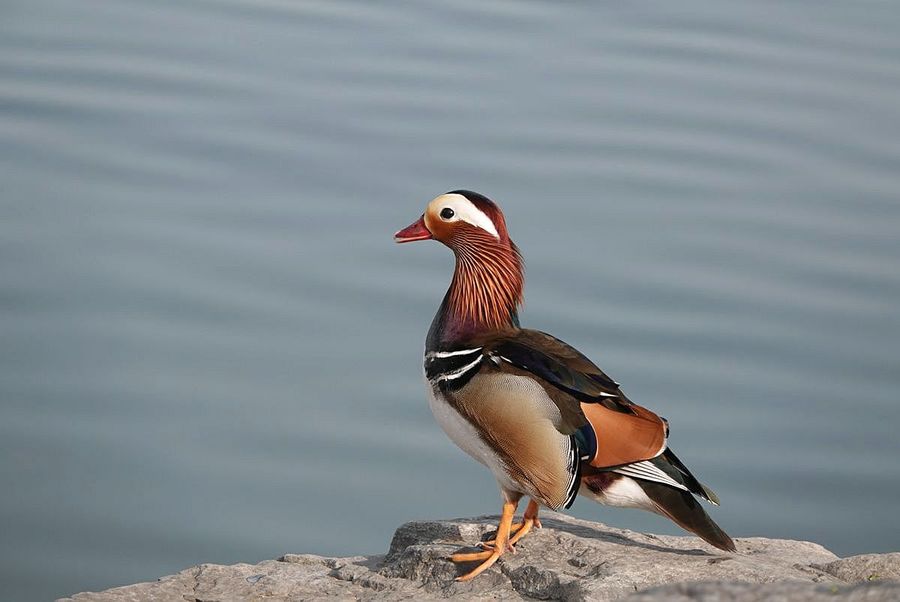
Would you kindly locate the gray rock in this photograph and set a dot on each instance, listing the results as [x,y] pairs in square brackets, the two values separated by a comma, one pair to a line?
[866,567]
[569,559]
[788,591]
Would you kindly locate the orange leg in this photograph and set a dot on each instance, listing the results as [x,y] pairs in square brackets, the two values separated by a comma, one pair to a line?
[528,521]
[489,557]
[521,529]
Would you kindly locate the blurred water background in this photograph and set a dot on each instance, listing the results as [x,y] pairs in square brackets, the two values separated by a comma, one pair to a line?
[211,348]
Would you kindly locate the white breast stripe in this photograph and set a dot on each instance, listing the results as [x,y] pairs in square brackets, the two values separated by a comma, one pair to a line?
[453,353]
[647,471]
[461,372]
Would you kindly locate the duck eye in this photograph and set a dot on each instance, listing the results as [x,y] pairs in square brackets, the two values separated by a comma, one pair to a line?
[447,213]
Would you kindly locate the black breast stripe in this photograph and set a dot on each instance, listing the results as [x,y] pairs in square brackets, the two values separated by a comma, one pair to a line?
[574,469]
[451,370]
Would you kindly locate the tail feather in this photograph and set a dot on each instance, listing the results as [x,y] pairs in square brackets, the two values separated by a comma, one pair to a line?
[686,511]
[669,463]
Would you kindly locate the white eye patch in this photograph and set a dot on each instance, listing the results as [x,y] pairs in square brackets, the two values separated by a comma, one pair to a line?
[465,210]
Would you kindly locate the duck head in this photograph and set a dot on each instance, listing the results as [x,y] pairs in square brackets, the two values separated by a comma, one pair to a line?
[457,219]
[488,280]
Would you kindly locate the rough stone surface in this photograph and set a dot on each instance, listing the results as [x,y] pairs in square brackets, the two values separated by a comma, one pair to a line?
[789,591]
[866,567]
[569,559]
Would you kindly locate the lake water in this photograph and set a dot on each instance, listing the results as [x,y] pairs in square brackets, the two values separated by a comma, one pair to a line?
[211,347]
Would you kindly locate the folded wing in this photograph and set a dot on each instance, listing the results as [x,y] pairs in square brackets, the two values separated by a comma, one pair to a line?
[611,430]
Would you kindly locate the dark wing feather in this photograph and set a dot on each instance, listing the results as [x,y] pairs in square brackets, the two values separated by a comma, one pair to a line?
[623,431]
[561,365]
[682,508]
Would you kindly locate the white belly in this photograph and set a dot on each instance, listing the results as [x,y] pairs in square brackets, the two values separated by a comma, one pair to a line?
[464,435]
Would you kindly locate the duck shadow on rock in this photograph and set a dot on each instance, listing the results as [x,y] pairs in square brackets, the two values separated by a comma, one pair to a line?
[565,549]
[471,531]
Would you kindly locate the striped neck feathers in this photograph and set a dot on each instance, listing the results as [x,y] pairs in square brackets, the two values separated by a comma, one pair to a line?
[486,289]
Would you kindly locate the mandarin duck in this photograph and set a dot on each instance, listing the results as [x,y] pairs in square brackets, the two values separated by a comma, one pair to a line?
[545,420]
